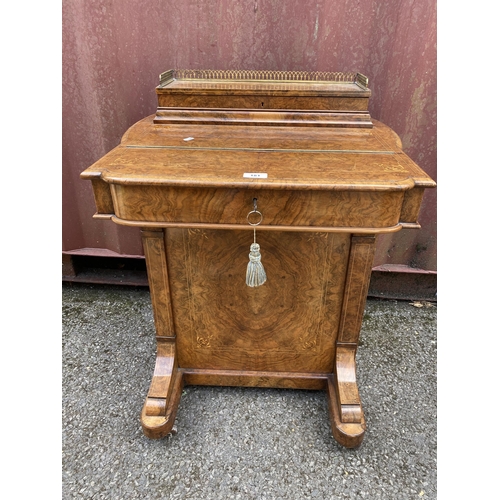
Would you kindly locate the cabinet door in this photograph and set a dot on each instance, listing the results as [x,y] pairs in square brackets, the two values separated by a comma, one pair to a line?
[289,323]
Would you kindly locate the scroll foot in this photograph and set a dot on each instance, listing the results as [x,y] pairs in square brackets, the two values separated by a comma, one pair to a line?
[346,413]
[348,434]
[160,409]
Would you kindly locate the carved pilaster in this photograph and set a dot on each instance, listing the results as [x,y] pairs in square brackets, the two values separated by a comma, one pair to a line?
[348,422]
[160,407]
[154,250]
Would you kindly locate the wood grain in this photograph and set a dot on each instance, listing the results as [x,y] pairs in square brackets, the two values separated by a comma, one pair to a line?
[158,426]
[145,133]
[288,324]
[356,287]
[348,434]
[411,206]
[231,206]
[264,116]
[347,388]
[160,407]
[154,251]
[298,169]
[262,102]
[255,378]
[102,197]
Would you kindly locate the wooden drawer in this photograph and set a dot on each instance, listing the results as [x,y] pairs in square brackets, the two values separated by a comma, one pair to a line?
[167,204]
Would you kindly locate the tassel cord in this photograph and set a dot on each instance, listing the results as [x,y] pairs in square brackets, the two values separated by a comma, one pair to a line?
[256,275]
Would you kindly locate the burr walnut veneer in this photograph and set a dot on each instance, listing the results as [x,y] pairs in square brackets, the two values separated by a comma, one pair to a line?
[327,179]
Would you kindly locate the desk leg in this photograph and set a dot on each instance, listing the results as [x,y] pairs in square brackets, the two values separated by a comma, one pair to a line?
[160,408]
[346,412]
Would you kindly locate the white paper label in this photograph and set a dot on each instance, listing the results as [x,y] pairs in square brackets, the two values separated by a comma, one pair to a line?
[255,175]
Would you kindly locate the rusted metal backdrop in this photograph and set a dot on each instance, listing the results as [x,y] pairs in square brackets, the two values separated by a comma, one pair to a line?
[114,50]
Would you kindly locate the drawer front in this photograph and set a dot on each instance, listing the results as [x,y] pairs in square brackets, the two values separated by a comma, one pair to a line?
[264,102]
[163,204]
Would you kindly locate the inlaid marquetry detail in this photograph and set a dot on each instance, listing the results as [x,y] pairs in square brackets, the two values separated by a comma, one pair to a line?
[392,168]
[203,341]
[198,232]
[307,344]
[317,235]
[286,324]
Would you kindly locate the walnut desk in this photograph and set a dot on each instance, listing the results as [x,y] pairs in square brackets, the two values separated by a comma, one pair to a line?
[301,153]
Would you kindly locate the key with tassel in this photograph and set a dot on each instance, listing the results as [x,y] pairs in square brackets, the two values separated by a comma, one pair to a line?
[256,275]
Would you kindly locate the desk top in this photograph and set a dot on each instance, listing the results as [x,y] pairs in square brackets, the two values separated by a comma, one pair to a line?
[302,158]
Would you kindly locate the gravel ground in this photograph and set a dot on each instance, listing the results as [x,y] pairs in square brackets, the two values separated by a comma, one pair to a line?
[242,443]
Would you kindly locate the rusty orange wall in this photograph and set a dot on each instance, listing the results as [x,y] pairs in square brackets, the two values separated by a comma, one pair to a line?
[114,50]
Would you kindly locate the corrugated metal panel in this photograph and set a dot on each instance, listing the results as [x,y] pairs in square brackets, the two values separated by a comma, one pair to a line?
[114,50]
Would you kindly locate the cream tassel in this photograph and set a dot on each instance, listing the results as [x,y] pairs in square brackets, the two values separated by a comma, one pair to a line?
[256,275]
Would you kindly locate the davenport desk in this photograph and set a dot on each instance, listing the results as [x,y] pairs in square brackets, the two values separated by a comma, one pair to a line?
[290,161]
